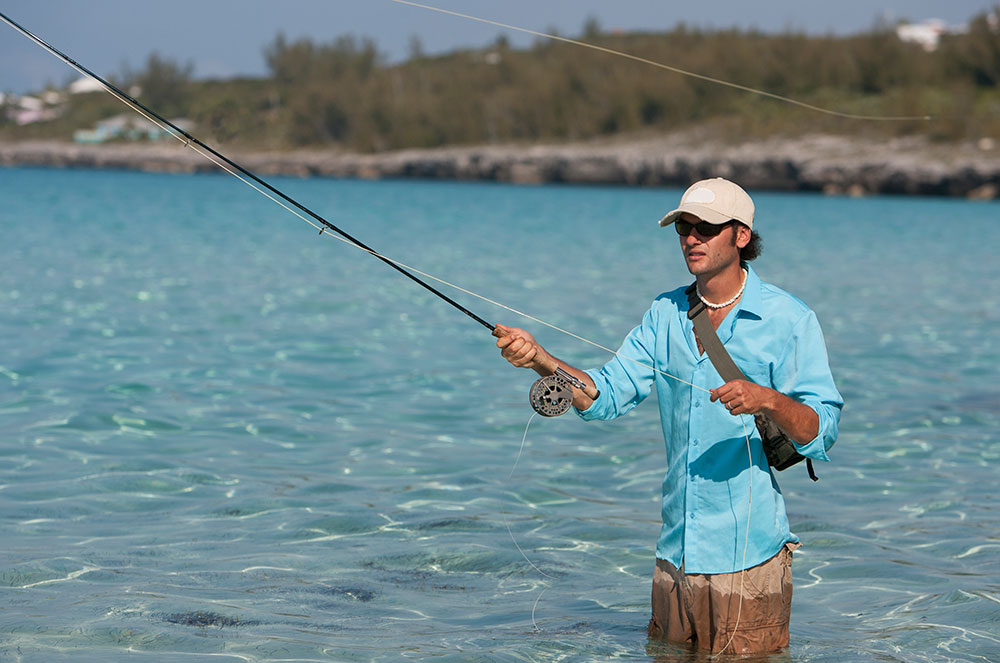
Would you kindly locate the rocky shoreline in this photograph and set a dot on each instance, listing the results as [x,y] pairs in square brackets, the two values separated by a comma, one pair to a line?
[832,164]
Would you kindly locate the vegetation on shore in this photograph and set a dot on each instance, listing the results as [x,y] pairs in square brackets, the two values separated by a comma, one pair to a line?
[343,94]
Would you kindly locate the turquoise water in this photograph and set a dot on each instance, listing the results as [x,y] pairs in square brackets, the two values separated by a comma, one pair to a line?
[227,438]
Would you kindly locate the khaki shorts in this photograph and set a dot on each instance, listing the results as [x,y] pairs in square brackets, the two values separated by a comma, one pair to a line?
[702,610]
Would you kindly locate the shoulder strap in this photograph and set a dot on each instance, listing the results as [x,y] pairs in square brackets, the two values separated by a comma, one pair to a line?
[717,353]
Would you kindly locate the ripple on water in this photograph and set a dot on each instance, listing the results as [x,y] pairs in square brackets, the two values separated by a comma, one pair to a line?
[332,527]
[47,572]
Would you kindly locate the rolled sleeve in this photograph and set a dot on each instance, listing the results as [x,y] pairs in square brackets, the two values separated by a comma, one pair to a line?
[803,373]
[599,406]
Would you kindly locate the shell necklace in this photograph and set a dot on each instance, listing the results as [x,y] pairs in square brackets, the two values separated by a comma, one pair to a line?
[728,301]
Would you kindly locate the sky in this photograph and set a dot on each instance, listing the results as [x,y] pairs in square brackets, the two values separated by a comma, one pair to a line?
[225,38]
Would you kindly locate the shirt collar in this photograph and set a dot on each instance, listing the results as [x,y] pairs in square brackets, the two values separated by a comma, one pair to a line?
[751,301]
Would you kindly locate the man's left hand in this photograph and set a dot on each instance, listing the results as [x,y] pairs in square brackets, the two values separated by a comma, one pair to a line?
[742,397]
[799,421]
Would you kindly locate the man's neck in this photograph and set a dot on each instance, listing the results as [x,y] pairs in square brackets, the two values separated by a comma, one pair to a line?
[722,285]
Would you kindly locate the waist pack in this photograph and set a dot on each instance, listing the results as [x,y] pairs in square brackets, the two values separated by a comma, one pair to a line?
[778,447]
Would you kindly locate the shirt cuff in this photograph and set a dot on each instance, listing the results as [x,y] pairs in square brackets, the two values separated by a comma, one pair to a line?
[816,447]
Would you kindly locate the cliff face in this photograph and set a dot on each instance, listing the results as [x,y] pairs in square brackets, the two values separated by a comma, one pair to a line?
[832,164]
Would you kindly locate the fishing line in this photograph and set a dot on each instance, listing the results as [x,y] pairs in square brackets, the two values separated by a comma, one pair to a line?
[746,543]
[676,70]
[503,512]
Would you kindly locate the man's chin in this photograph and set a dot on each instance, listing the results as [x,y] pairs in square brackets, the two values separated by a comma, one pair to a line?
[695,267]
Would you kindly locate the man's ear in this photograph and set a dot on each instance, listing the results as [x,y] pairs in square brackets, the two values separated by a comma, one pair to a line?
[742,235]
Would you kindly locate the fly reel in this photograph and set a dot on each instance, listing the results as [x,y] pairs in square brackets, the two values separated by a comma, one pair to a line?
[552,395]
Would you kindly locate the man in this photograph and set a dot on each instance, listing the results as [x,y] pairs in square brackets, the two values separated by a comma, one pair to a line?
[722,580]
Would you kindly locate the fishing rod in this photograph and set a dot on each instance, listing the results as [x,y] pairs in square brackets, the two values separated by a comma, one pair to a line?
[189,139]
[549,396]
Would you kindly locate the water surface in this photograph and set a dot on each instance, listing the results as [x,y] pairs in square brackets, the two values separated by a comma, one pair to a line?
[225,437]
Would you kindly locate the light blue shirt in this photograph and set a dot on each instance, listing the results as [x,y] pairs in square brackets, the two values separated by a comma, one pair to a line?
[776,341]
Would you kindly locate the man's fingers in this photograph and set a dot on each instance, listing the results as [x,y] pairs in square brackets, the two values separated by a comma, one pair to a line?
[727,391]
[522,361]
[719,392]
[515,346]
[510,340]
[522,356]
[518,351]
[511,337]
[525,353]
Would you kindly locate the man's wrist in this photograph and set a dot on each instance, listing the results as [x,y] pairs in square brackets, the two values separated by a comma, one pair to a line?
[545,364]
[771,402]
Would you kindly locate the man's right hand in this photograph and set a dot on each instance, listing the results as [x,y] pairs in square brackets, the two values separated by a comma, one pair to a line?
[522,350]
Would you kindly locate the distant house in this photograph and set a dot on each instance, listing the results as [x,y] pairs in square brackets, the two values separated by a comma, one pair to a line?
[84,85]
[126,127]
[30,103]
[927,33]
[27,110]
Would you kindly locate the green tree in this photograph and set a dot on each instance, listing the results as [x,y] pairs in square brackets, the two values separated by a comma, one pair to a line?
[164,84]
[977,53]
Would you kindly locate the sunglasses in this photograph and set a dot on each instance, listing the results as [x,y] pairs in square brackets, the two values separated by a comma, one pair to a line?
[703,228]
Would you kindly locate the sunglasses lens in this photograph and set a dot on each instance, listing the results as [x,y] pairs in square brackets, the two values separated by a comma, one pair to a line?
[704,228]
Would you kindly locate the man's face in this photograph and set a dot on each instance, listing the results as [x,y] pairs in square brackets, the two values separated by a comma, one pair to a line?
[707,255]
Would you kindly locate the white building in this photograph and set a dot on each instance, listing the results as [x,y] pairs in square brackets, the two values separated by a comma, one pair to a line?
[926,33]
[85,84]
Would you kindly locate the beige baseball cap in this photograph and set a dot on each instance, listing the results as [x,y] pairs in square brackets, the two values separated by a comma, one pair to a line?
[716,201]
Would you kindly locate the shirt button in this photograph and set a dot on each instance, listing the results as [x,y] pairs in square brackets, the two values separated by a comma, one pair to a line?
[697,403]
[694,443]
[691,515]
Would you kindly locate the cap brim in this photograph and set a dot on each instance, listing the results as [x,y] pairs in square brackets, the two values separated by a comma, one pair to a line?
[670,217]
[703,213]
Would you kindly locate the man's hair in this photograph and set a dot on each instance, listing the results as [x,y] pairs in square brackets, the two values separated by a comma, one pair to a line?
[753,248]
